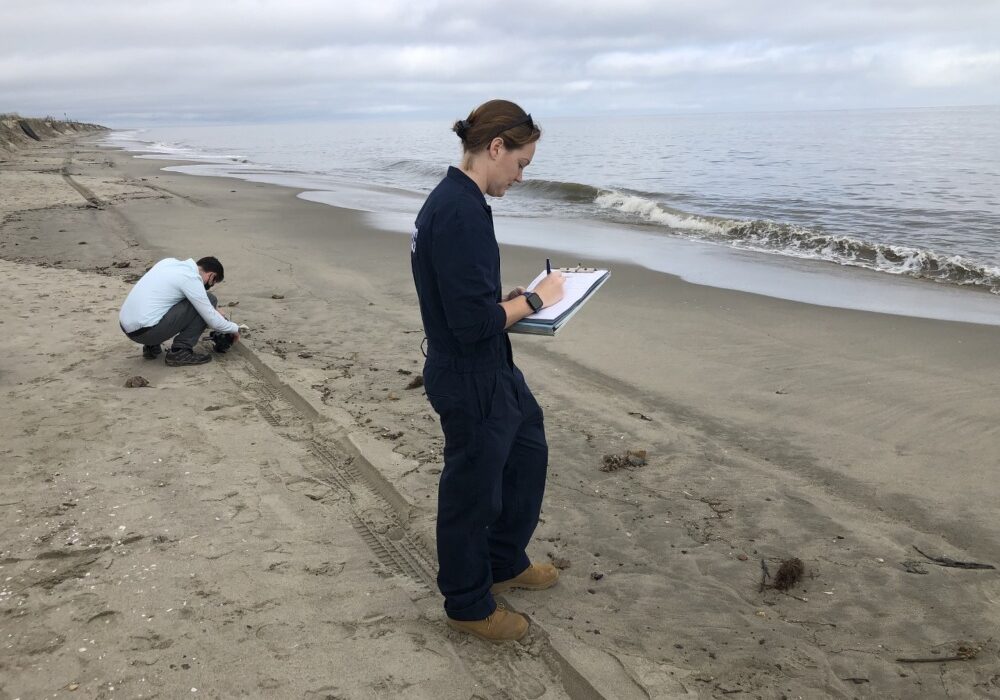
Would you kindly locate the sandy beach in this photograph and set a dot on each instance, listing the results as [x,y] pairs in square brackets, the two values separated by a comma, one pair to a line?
[262,526]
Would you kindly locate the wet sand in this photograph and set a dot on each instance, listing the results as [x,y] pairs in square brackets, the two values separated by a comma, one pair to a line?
[295,520]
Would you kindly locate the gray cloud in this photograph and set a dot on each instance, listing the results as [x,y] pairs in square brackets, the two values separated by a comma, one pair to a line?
[173,60]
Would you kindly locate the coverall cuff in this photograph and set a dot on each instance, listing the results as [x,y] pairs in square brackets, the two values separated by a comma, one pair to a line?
[505,573]
[489,327]
[479,610]
[499,321]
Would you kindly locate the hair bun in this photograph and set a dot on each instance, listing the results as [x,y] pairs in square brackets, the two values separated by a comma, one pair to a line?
[461,128]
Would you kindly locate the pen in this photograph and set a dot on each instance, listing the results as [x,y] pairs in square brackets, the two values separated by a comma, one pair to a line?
[548,267]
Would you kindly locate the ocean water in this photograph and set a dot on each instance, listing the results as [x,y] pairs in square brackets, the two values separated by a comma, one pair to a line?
[908,194]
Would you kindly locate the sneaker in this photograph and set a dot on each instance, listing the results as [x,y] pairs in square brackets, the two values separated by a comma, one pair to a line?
[536,577]
[502,626]
[151,352]
[185,356]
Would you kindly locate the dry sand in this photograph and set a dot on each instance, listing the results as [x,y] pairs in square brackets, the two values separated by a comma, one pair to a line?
[263,526]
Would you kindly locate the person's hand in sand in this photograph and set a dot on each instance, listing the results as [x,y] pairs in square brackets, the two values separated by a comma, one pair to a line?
[233,337]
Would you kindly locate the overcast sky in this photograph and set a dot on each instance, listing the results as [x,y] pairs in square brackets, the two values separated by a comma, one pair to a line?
[138,62]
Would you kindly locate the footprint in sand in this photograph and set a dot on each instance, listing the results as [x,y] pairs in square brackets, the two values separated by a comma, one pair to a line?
[281,639]
[268,471]
[327,568]
[149,642]
[328,692]
[38,640]
[103,617]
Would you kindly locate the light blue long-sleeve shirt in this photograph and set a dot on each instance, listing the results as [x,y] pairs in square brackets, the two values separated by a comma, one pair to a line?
[168,282]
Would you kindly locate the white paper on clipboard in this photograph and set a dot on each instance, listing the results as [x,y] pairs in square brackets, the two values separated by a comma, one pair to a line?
[579,283]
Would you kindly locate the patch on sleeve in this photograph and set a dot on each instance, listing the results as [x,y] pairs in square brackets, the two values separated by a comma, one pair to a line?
[413,240]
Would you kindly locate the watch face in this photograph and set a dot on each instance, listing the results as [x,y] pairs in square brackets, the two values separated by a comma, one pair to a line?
[534,301]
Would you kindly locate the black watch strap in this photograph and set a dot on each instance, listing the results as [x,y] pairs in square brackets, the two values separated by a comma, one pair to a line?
[534,301]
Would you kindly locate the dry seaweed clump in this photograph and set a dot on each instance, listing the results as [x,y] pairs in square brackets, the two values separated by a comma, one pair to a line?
[789,573]
[630,460]
[136,382]
[416,382]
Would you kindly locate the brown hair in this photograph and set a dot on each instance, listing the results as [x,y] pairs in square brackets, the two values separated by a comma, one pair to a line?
[496,118]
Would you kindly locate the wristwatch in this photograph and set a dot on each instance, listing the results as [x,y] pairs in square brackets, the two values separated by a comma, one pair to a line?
[534,301]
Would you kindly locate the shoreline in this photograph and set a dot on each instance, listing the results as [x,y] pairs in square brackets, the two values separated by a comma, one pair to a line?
[773,429]
[781,275]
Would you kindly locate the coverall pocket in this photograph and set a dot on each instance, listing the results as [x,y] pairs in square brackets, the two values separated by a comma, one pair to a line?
[529,406]
[474,393]
[464,402]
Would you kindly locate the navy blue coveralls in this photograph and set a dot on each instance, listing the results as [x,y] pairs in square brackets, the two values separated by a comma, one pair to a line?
[495,454]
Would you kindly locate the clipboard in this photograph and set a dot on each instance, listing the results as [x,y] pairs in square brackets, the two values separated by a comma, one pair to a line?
[581,283]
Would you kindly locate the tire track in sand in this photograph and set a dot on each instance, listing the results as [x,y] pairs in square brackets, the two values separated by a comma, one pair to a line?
[381,517]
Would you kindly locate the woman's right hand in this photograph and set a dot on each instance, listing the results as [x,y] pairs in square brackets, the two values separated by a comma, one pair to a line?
[550,289]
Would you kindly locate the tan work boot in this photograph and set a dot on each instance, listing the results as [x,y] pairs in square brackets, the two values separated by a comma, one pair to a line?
[535,578]
[502,626]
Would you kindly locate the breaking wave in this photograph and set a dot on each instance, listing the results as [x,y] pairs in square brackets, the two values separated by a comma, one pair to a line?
[571,192]
[801,242]
[415,167]
[649,211]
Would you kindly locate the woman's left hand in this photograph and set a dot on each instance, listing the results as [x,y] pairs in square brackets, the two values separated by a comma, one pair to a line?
[515,293]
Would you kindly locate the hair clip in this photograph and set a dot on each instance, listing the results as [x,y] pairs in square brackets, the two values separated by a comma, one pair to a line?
[526,120]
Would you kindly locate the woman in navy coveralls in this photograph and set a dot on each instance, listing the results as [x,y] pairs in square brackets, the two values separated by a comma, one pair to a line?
[495,454]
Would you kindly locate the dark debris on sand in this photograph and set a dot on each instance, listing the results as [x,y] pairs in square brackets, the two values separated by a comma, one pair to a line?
[789,573]
[630,460]
[416,382]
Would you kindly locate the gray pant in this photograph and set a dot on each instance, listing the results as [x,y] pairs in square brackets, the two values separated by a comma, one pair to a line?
[182,322]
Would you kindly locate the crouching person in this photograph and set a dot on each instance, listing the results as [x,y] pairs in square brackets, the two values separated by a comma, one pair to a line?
[172,301]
